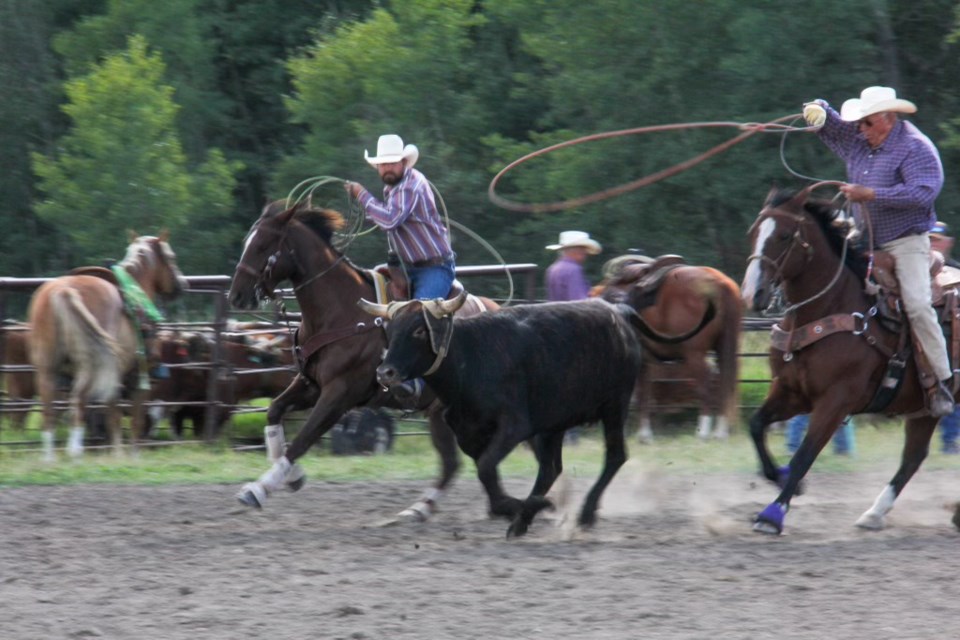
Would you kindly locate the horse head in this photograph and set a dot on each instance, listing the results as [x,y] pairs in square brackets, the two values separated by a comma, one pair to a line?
[272,253]
[153,264]
[796,239]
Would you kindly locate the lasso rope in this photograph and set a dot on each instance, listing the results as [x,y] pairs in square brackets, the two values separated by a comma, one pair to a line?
[748,129]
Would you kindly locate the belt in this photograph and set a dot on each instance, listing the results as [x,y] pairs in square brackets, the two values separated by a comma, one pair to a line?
[430,262]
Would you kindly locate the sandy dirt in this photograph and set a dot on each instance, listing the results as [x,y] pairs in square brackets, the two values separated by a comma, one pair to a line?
[671,557]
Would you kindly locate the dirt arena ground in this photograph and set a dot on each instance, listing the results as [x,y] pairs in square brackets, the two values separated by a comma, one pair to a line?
[671,557]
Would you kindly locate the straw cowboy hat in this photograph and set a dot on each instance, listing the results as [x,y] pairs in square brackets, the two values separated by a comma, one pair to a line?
[576,239]
[390,148]
[874,100]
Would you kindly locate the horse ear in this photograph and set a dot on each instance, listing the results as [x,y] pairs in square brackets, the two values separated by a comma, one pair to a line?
[770,194]
[164,235]
[132,235]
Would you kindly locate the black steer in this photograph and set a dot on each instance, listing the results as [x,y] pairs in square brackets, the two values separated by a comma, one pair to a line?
[530,371]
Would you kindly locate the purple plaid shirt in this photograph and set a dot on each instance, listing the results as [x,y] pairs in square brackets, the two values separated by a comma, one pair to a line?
[905,172]
[565,281]
[410,217]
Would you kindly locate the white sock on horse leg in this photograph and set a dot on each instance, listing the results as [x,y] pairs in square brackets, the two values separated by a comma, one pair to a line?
[46,437]
[276,443]
[75,442]
[703,426]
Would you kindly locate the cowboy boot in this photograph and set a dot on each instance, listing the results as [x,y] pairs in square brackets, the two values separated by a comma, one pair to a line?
[940,401]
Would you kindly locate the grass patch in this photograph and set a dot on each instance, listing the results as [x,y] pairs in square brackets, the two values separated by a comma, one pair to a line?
[413,458]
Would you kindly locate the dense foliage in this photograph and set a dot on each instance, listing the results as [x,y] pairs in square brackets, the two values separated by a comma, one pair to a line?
[188,114]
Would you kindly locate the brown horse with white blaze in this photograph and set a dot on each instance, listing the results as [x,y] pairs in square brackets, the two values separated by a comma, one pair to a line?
[338,345]
[81,326]
[836,352]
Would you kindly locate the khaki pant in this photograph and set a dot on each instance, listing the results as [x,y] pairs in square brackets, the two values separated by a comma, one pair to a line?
[913,273]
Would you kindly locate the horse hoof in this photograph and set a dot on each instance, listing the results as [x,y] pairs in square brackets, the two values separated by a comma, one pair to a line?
[770,520]
[248,499]
[871,522]
[297,484]
[418,512]
[767,528]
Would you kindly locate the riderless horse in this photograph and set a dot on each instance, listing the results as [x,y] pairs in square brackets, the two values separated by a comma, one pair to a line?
[839,349]
[671,296]
[338,346]
[84,326]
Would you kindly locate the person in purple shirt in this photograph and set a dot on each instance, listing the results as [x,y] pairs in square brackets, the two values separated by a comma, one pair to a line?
[565,277]
[894,171]
[415,230]
[409,215]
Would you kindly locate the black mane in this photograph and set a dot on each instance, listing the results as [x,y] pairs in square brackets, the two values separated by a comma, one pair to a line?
[824,212]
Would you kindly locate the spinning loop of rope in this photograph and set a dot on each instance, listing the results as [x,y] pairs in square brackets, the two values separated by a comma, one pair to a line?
[747,129]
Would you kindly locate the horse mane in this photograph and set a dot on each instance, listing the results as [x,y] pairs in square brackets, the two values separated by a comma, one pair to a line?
[324,223]
[824,212]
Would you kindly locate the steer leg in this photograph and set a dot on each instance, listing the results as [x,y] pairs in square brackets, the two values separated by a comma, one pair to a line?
[615,456]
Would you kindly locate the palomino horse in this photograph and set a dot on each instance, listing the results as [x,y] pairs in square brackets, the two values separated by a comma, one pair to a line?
[82,327]
[338,345]
[672,297]
[831,355]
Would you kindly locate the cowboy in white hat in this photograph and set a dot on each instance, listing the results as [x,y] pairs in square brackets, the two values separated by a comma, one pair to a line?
[895,171]
[409,215]
[415,230]
[565,277]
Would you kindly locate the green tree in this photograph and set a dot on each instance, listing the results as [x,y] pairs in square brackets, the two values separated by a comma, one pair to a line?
[121,166]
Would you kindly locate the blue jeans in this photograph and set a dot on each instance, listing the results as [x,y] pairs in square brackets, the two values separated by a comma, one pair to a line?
[843,443]
[950,429]
[428,283]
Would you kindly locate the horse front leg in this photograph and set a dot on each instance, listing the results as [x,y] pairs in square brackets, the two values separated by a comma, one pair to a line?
[332,403]
[445,442]
[916,446]
[299,394]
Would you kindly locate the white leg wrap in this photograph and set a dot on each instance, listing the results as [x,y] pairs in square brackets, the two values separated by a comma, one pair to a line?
[703,426]
[722,429]
[272,480]
[276,443]
[75,442]
[874,517]
[47,440]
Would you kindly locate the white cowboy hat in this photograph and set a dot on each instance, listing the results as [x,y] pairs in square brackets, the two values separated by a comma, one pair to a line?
[390,149]
[577,239]
[874,100]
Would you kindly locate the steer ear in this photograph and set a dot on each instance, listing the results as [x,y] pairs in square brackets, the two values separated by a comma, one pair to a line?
[374,309]
[449,307]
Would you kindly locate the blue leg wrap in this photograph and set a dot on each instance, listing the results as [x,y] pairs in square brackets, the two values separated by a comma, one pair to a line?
[773,514]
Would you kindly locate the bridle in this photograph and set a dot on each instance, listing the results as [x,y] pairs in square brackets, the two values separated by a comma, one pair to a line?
[265,274]
[798,241]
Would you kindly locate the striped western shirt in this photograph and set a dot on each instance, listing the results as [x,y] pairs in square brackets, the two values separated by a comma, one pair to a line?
[905,173]
[411,219]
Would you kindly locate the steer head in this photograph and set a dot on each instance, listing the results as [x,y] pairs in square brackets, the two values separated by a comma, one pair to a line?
[418,336]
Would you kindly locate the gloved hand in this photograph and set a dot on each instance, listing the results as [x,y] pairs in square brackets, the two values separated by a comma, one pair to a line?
[814,114]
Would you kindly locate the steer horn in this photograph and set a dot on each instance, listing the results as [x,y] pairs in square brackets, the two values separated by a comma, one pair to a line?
[442,308]
[374,309]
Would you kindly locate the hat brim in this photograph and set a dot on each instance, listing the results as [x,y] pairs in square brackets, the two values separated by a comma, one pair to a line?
[410,153]
[592,246]
[853,109]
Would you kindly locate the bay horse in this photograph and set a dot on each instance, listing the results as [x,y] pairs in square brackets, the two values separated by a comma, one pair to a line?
[338,345]
[82,327]
[672,297]
[832,355]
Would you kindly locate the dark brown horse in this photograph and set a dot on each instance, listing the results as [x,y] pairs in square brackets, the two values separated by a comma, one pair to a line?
[831,354]
[672,297]
[81,327]
[339,345]
[19,385]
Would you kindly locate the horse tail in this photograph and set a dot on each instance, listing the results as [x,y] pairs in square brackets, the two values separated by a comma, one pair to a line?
[94,354]
[727,348]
